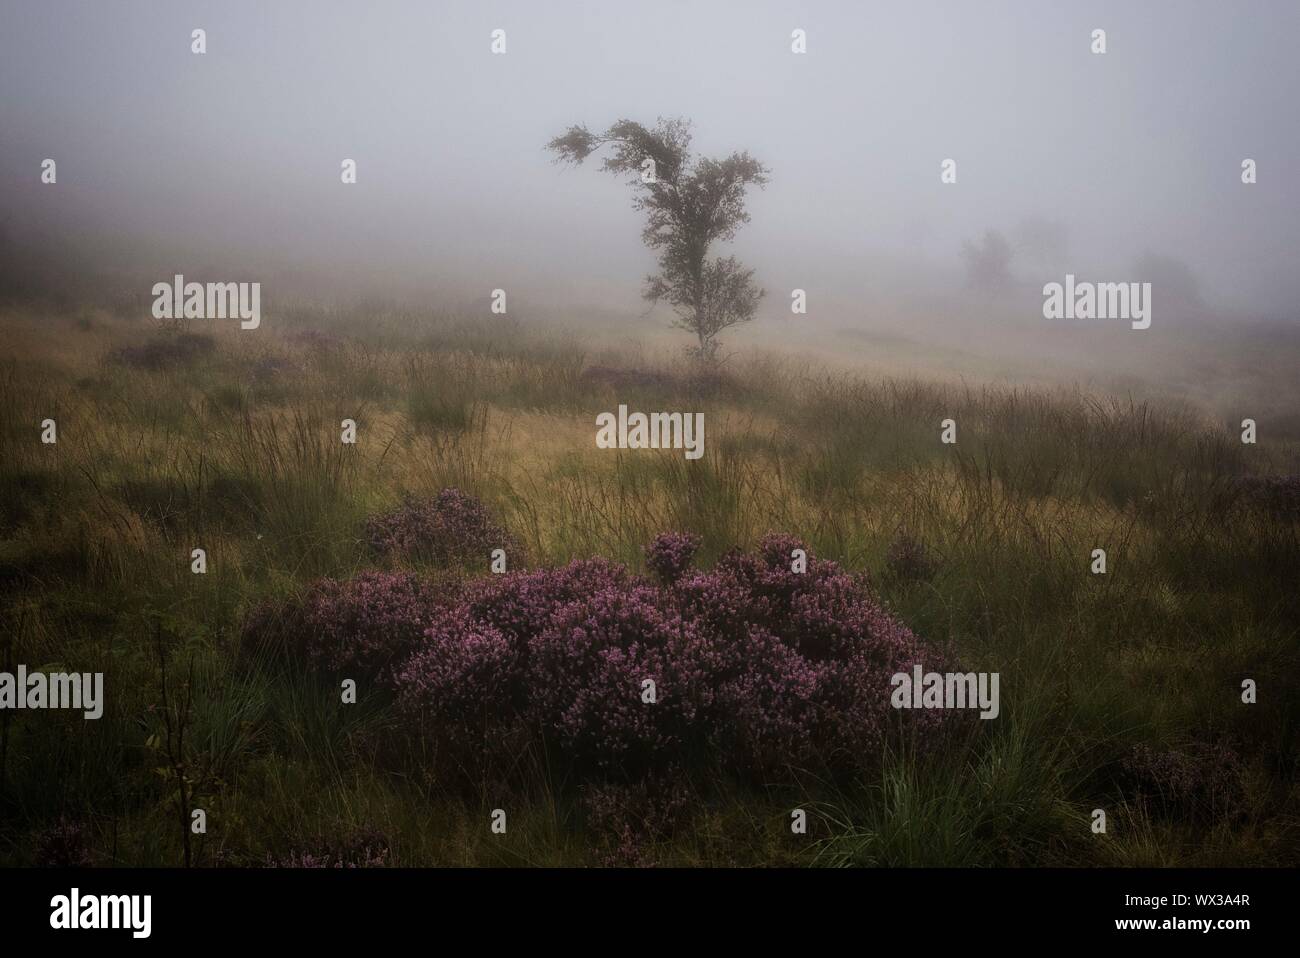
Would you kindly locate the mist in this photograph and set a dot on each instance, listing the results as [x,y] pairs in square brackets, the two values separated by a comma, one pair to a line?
[424,486]
[229,162]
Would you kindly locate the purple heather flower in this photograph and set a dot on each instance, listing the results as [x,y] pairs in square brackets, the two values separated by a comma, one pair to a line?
[451,528]
[749,665]
[669,555]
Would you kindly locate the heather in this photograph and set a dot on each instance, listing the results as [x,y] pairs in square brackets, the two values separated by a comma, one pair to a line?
[629,820]
[669,555]
[1276,495]
[523,690]
[1201,780]
[751,670]
[451,528]
[166,350]
[752,667]
[363,627]
[908,560]
[362,848]
[65,844]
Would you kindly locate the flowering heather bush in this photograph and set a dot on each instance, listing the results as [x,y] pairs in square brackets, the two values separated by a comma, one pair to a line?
[63,845]
[363,849]
[907,560]
[520,604]
[1198,780]
[755,667]
[166,351]
[803,660]
[1277,495]
[669,555]
[629,818]
[365,626]
[451,528]
[777,549]
[585,672]
[465,680]
[555,651]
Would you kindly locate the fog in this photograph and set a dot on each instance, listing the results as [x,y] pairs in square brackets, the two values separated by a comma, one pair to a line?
[229,162]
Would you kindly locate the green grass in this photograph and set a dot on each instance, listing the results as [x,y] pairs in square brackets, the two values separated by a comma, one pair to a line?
[96,534]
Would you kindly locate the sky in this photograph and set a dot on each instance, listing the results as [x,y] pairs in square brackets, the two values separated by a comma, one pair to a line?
[169,161]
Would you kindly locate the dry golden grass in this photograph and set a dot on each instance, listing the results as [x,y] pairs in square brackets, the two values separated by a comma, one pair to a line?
[239,452]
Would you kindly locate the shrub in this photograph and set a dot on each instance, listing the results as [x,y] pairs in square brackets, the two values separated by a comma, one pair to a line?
[451,528]
[364,848]
[366,626]
[755,668]
[1278,496]
[799,664]
[521,604]
[629,818]
[585,676]
[1199,781]
[167,351]
[553,650]
[669,555]
[908,560]
[63,845]
[464,680]
[777,550]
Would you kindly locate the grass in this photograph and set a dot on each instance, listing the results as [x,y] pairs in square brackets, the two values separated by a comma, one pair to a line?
[237,450]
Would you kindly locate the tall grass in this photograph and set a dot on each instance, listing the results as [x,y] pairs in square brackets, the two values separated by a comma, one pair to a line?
[239,453]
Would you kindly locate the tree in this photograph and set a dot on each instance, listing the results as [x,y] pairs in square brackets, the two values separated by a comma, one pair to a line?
[689,204]
[988,263]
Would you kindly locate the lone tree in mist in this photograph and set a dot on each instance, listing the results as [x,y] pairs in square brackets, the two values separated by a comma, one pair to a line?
[689,204]
[988,263]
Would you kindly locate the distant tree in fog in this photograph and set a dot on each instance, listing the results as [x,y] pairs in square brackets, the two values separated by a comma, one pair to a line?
[1173,283]
[988,263]
[689,205]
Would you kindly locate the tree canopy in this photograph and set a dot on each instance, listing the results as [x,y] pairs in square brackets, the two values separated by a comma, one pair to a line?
[690,203]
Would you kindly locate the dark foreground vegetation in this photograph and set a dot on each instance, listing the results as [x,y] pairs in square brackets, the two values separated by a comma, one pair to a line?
[524,691]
